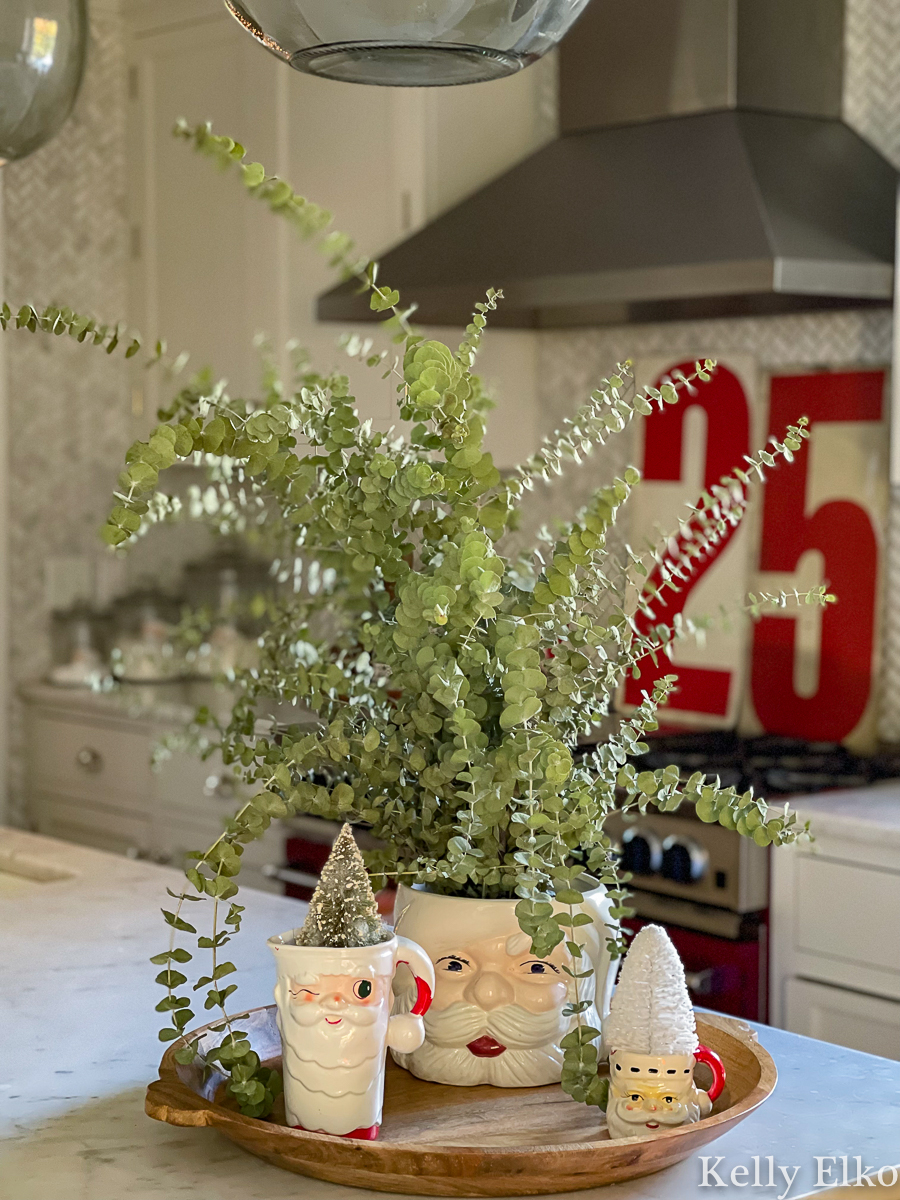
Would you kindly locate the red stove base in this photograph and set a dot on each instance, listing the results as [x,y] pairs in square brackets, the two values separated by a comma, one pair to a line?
[727,976]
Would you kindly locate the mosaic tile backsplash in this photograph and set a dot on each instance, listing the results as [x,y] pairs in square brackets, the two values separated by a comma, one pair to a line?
[65,242]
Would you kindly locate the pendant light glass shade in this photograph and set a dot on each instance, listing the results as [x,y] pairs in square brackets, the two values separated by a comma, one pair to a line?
[43,44]
[408,43]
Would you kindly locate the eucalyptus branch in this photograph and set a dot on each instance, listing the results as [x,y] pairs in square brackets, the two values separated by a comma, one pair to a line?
[661,636]
[309,220]
[475,329]
[719,510]
[608,411]
[61,321]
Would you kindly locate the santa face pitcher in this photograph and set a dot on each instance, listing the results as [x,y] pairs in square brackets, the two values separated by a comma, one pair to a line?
[334,1016]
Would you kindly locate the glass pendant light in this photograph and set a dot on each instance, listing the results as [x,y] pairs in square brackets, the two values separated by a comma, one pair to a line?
[408,43]
[43,45]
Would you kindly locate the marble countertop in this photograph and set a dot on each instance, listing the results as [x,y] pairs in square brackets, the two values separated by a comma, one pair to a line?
[78,1047]
[869,814]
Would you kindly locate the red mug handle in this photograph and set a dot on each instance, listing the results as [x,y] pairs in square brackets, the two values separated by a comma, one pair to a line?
[705,1055]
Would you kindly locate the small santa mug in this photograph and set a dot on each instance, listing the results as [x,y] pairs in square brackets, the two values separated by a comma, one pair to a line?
[334,1008]
[648,1094]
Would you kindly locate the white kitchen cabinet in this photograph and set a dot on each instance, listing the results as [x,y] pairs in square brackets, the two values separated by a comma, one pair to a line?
[210,268]
[90,781]
[86,759]
[835,922]
[835,1014]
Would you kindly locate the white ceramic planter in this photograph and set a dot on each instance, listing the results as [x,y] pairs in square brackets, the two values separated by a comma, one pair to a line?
[334,1017]
[497,1015]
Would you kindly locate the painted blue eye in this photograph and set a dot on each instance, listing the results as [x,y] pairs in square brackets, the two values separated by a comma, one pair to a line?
[538,969]
[453,966]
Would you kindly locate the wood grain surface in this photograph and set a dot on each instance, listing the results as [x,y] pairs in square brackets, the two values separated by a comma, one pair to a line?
[483,1141]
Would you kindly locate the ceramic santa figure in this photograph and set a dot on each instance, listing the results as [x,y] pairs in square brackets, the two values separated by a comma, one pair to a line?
[334,1000]
[651,1036]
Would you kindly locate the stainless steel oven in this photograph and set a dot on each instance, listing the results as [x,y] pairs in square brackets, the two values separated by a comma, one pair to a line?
[707,885]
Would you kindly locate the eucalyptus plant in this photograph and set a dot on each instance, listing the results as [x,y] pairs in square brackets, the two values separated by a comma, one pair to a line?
[450,678]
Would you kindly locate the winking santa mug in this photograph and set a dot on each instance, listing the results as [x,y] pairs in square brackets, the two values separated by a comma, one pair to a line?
[334,1018]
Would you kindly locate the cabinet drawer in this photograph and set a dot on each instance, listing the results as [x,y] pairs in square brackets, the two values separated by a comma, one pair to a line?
[90,760]
[198,790]
[846,1018]
[89,825]
[848,913]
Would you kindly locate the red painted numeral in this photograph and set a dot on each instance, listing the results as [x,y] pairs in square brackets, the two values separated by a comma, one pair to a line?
[843,532]
[700,689]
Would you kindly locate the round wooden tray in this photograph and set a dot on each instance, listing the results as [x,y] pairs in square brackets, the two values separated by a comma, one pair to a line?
[454,1141]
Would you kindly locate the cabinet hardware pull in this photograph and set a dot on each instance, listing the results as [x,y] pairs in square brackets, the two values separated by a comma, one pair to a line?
[220,787]
[700,982]
[89,759]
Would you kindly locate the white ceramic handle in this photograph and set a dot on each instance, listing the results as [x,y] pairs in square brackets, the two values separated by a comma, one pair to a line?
[406,1031]
[605,926]
[608,985]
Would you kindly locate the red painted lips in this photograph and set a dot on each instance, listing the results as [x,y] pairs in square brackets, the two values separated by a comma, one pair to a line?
[485,1047]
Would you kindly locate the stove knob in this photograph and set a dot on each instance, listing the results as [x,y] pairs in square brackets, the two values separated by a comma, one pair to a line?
[683,859]
[641,852]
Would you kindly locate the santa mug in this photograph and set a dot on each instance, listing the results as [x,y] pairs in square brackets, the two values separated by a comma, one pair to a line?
[334,1007]
[501,1013]
[650,1094]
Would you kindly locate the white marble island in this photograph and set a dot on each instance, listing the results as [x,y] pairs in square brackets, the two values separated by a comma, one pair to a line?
[78,1046]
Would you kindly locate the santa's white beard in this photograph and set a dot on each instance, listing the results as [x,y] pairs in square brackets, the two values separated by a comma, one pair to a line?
[333,1074]
[532,1055]
[315,1041]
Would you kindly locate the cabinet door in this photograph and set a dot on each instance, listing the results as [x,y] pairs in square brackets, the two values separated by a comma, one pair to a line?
[204,268]
[174,837]
[91,760]
[846,912]
[211,266]
[832,1014]
[93,825]
[195,789]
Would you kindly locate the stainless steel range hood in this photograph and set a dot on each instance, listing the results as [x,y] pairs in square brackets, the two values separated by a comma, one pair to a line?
[703,170]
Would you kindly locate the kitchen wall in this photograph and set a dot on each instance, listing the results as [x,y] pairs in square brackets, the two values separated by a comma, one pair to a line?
[69,238]
[570,363]
[65,241]
[65,235]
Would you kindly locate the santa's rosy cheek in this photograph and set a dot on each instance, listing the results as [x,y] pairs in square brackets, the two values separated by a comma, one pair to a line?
[542,999]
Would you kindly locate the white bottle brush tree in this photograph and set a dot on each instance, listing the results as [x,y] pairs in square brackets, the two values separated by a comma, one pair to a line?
[651,1010]
[451,678]
[343,910]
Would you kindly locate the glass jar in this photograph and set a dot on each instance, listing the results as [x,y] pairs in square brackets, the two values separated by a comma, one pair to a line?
[144,650]
[77,637]
[408,43]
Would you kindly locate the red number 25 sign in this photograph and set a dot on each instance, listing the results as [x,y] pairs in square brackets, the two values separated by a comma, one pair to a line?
[804,672]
